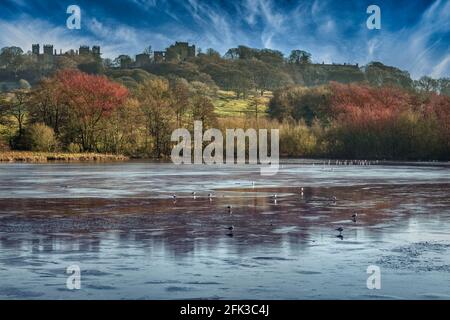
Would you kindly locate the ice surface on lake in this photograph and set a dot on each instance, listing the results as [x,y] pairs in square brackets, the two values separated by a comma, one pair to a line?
[119,223]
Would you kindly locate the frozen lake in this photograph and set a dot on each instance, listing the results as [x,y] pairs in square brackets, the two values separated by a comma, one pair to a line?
[119,224]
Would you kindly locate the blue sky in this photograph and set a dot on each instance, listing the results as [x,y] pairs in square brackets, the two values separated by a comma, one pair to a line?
[414,35]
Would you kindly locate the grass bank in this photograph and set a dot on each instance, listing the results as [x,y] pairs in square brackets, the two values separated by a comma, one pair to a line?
[26,156]
[227,105]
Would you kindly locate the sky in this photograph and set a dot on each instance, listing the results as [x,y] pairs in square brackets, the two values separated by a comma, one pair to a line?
[414,34]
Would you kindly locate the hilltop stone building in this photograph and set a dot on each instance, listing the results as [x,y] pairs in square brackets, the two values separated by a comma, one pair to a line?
[142,60]
[49,51]
[159,56]
[180,51]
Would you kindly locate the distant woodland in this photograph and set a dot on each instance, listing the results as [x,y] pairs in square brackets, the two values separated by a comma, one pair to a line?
[83,103]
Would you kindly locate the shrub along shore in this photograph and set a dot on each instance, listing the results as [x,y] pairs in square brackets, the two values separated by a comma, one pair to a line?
[22,156]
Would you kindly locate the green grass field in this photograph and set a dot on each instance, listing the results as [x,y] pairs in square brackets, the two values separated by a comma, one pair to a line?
[227,105]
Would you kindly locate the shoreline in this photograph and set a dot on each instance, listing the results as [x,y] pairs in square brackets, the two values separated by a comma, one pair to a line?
[369,162]
[50,157]
[44,157]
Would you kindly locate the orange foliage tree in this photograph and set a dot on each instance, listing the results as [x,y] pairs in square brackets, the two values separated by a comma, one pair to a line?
[387,122]
[90,99]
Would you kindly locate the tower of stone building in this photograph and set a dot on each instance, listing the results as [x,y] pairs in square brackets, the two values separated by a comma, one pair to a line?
[96,51]
[35,49]
[159,56]
[180,51]
[48,49]
[191,51]
[84,50]
[142,60]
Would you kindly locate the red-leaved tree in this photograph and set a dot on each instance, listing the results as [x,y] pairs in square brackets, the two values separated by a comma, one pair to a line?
[370,121]
[90,99]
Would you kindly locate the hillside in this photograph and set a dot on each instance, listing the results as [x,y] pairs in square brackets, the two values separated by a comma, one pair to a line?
[227,105]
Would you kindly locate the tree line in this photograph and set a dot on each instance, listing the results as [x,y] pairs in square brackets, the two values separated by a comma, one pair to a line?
[84,104]
[241,69]
[77,112]
[354,121]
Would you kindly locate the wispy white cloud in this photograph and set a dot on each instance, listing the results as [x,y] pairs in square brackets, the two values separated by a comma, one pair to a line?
[146,4]
[264,13]
[442,68]
[26,30]
[418,48]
